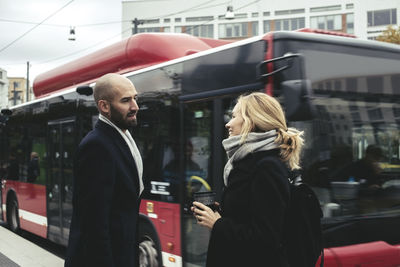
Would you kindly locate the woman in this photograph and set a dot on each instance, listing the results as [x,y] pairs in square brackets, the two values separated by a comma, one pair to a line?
[260,148]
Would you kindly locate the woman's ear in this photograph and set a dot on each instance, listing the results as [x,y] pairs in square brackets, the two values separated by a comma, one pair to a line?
[104,106]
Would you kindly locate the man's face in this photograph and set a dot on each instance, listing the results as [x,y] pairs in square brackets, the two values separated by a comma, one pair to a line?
[124,108]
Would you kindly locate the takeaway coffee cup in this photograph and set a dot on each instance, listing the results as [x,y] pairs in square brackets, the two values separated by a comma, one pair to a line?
[207,198]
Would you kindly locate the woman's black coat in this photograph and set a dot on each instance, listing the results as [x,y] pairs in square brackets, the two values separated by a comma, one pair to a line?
[253,210]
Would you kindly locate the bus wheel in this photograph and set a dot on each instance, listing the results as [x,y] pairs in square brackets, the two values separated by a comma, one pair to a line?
[148,254]
[12,215]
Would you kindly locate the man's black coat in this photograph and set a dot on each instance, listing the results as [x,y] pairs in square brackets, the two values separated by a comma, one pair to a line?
[253,210]
[105,202]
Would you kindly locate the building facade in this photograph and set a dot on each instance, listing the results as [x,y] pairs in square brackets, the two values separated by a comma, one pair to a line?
[364,18]
[3,89]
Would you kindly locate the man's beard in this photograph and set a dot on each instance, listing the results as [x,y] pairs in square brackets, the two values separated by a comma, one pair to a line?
[120,120]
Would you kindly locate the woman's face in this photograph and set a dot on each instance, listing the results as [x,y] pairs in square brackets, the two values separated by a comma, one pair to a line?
[234,126]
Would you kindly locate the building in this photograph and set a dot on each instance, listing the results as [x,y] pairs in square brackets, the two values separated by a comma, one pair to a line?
[16,91]
[3,89]
[364,18]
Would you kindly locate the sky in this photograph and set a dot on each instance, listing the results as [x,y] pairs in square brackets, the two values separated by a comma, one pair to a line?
[38,30]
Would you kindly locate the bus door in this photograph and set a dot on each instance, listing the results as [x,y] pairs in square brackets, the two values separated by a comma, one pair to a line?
[59,184]
[203,163]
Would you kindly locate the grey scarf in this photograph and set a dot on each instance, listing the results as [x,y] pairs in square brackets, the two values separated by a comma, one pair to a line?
[254,142]
[132,147]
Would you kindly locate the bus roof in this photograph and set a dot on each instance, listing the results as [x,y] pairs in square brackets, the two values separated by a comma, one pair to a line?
[136,52]
[147,50]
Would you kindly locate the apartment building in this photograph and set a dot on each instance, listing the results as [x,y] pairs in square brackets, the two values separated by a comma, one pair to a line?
[16,90]
[364,18]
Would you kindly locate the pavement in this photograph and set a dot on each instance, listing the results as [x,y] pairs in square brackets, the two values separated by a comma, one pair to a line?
[17,251]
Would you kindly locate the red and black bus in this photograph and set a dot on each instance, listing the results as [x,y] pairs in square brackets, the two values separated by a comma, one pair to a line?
[344,93]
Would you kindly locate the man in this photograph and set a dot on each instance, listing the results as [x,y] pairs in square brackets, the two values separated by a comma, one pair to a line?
[33,167]
[107,182]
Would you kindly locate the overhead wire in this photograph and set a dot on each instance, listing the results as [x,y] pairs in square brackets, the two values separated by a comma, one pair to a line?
[196,7]
[34,27]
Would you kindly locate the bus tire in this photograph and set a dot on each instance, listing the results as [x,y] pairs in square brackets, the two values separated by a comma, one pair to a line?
[149,246]
[12,215]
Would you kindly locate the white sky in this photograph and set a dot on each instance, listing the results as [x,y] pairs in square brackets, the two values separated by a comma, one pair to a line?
[47,45]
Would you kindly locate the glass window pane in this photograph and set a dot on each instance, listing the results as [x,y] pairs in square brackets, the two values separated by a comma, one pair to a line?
[370,21]
[221,31]
[267,26]
[195,30]
[313,23]
[254,29]
[338,22]
[197,164]
[178,29]
[381,17]
[394,16]
[294,25]
[244,29]
[286,25]
[302,23]
[329,23]
[277,25]
[321,23]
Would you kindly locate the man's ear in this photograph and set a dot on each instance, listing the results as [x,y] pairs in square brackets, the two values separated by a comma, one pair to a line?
[104,106]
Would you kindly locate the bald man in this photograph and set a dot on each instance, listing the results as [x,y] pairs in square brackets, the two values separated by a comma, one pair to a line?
[107,182]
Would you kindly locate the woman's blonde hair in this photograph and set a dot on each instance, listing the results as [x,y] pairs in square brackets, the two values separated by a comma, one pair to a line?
[262,113]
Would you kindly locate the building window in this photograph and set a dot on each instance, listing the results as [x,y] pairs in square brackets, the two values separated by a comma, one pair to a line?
[266,14]
[285,24]
[325,8]
[290,11]
[229,30]
[151,21]
[204,18]
[150,29]
[254,15]
[16,85]
[350,23]
[349,6]
[241,16]
[178,29]
[254,28]
[267,26]
[197,30]
[167,20]
[330,22]
[178,19]
[382,17]
[1,75]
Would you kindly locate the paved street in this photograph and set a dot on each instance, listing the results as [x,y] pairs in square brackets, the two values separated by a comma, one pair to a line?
[17,251]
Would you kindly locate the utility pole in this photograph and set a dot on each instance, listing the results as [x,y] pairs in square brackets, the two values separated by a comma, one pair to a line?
[14,95]
[136,22]
[27,81]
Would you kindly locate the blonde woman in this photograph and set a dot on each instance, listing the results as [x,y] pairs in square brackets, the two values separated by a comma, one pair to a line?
[260,150]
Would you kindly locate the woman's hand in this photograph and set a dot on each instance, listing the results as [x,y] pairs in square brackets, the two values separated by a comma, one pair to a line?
[204,215]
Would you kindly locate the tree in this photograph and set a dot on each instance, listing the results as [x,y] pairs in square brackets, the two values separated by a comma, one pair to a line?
[390,35]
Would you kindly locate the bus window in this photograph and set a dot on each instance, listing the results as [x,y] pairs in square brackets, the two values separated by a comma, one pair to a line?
[351,155]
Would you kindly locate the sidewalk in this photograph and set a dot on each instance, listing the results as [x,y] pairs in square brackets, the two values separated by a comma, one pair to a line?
[16,251]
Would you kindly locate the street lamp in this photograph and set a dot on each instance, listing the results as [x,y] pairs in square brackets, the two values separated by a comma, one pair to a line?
[229,13]
[136,23]
[71,34]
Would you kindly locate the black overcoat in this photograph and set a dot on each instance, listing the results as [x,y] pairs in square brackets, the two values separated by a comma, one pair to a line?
[106,201]
[253,210]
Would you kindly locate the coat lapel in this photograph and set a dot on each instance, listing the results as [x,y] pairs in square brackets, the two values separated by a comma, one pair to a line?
[126,155]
